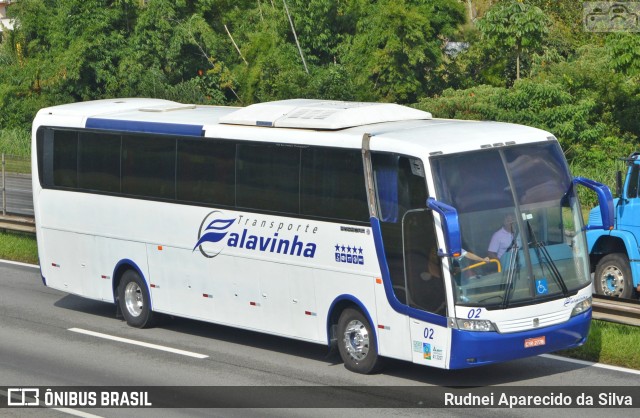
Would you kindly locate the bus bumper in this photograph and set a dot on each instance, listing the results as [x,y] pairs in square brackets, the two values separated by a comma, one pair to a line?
[470,349]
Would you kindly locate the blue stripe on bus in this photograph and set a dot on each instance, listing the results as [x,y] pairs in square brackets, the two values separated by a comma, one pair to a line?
[144,127]
[478,348]
[44,280]
[130,264]
[356,301]
[388,287]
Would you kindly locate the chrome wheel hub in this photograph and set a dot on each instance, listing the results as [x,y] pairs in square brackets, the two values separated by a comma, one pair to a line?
[133,299]
[356,340]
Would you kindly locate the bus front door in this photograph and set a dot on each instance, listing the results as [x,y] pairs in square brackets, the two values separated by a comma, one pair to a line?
[426,291]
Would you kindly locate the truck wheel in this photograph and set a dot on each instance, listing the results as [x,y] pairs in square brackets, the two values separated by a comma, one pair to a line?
[134,300]
[613,276]
[357,343]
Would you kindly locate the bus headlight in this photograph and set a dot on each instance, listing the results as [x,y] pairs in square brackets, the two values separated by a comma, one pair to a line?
[474,325]
[582,307]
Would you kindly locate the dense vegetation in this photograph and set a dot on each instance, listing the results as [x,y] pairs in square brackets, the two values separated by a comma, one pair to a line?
[528,61]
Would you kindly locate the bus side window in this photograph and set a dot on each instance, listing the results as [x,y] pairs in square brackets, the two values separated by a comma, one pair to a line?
[268,178]
[332,184]
[400,187]
[148,166]
[65,157]
[44,138]
[99,162]
[206,172]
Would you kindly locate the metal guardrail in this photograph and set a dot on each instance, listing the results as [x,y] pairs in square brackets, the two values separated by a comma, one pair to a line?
[622,311]
[17,223]
[15,186]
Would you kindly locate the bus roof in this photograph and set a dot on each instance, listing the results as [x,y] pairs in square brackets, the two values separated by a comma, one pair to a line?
[321,114]
[330,123]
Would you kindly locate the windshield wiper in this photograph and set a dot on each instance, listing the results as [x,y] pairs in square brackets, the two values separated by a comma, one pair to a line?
[541,252]
[512,270]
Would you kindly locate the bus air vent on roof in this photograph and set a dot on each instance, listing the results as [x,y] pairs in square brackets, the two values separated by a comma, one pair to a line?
[320,114]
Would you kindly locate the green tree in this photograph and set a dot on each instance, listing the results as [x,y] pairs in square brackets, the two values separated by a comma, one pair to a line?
[566,31]
[88,43]
[624,53]
[29,69]
[170,44]
[398,46]
[515,25]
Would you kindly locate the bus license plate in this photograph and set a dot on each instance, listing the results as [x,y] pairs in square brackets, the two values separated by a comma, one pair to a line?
[534,342]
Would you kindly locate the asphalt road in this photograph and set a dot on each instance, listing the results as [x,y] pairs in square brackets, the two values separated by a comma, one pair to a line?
[40,346]
[19,196]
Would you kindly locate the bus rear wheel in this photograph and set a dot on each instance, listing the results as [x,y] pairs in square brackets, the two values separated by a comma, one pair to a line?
[357,343]
[134,300]
[613,276]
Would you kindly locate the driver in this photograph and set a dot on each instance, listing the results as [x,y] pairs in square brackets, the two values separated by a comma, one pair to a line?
[502,239]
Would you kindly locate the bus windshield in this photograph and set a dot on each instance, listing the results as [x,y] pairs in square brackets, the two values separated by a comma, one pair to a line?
[518,208]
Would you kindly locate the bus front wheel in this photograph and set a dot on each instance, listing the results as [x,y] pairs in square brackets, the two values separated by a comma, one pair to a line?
[134,300]
[613,276]
[357,343]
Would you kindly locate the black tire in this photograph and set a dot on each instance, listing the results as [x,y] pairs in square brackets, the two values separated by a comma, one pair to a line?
[134,300]
[357,343]
[613,276]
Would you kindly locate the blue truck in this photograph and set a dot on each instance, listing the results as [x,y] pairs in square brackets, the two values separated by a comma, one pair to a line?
[615,253]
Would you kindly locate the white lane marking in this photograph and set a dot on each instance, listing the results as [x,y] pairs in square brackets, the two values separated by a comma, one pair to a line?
[76,413]
[68,411]
[17,263]
[550,356]
[140,343]
[591,364]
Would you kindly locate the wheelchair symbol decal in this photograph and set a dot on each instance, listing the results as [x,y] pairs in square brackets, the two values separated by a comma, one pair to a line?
[541,287]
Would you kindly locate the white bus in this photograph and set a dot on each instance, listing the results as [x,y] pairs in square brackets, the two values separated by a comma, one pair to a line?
[336,223]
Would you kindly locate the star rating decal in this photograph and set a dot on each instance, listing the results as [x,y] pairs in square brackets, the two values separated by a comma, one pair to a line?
[350,254]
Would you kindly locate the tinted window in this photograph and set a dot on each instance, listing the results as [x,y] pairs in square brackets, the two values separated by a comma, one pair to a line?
[400,187]
[206,172]
[99,162]
[333,184]
[319,182]
[633,183]
[45,178]
[268,178]
[423,266]
[149,166]
[65,159]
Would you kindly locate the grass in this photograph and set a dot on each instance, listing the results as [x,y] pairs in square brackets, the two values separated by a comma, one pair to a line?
[16,142]
[15,145]
[20,165]
[18,247]
[608,343]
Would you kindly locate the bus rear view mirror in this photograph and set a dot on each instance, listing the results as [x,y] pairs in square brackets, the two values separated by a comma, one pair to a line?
[604,199]
[450,227]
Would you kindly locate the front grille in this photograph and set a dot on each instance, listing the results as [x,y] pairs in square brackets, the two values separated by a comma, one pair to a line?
[524,324]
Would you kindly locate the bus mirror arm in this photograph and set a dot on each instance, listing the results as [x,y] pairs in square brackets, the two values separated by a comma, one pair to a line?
[605,200]
[450,226]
